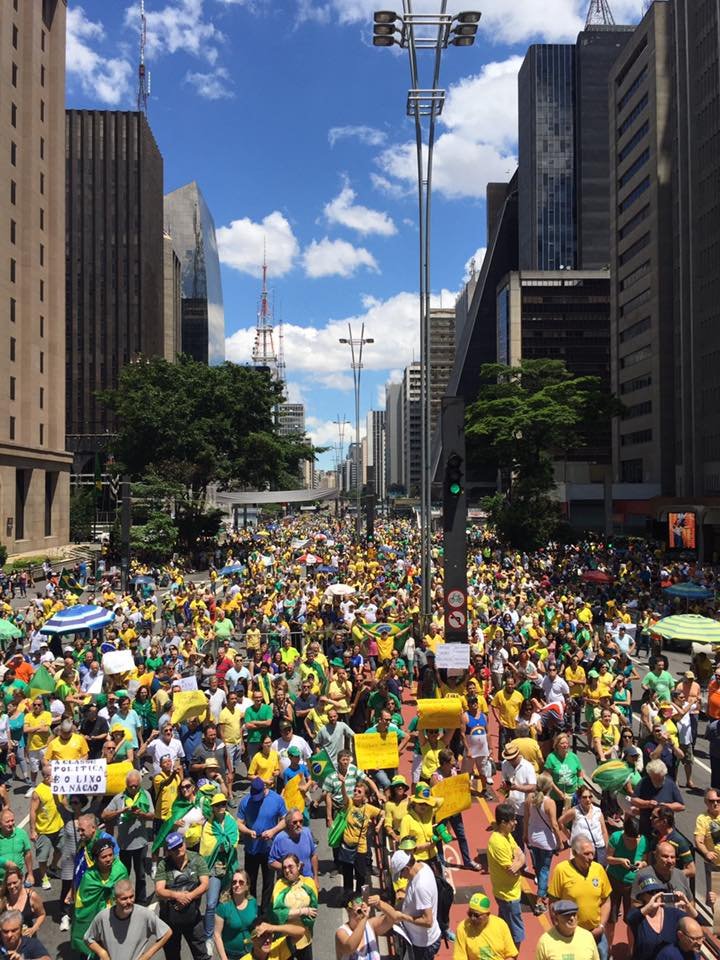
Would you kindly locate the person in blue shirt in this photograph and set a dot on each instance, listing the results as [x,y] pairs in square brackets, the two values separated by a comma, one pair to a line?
[295,838]
[261,817]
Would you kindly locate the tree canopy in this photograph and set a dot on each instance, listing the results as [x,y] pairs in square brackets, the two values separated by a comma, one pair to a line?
[194,425]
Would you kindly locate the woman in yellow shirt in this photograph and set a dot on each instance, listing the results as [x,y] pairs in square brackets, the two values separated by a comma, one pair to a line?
[396,808]
[419,823]
[265,764]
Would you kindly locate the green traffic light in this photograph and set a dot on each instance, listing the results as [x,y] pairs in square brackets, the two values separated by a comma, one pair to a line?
[455,489]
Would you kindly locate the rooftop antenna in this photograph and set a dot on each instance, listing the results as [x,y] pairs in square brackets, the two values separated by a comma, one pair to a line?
[143,75]
[599,14]
[263,354]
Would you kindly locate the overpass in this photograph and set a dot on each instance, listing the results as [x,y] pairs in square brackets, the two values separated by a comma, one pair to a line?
[247,498]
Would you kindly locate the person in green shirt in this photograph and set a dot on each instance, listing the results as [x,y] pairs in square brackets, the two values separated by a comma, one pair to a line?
[565,768]
[15,847]
[659,680]
[258,720]
[235,915]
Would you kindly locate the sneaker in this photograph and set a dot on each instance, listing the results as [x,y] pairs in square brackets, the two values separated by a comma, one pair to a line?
[30,792]
[46,885]
[209,945]
[65,923]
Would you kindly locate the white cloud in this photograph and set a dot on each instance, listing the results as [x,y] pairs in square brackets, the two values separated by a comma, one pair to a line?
[328,258]
[474,263]
[343,210]
[369,135]
[316,350]
[106,79]
[391,188]
[325,433]
[179,26]
[241,245]
[215,85]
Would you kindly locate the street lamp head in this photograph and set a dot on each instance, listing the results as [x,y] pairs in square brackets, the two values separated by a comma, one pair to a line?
[369,340]
[385,16]
[343,340]
[384,29]
[465,30]
[382,41]
[468,16]
[462,41]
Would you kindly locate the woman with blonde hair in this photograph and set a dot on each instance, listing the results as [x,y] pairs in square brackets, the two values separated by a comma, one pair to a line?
[542,836]
[235,914]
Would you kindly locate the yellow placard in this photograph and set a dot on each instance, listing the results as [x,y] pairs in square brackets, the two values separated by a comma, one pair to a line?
[188,703]
[376,751]
[116,773]
[439,714]
[455,793]
[293,795]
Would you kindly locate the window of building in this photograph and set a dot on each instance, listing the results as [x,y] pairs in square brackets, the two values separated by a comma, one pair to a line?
[42,74]
[632,89]
[634,248]
[633,141]
[634,194]
[22,483]
[42,40]
[633,115]
[12,388]
[13,231]
[13,153]
[42,398]
[42,434]
[642,353]
[639,383]
[634,302]
[632,60]
[51,479]
[15,37]
[42,148]
[13,192]
[42,326]
[637,436]
[15,5]
[42,218]
[12,428]
[42,184]
[636,165]
[42,291]
[637,410]
[13,309]
[634,330]
[14,75]
[42,362]
[13,345]
[42,254]
[42,111]
[13,114]
[631,471]
[12,270]
[637,274]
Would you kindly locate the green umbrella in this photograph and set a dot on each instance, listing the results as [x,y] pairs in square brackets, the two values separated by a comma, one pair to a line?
[688,626]
[8,630]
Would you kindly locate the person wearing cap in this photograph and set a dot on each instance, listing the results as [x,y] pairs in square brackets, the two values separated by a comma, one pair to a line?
[261,816]
[584,880]
[566,938]
[506,861]
[218,845]
[519,780]
[181,880]
[482,936]
[418,917]
[357,938]
[419,823]
[396,808]
[654,921]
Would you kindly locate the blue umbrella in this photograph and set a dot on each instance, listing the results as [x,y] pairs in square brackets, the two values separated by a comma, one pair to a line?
[76,619]
[231,568]
[326,569]
[689,591]
[143,580]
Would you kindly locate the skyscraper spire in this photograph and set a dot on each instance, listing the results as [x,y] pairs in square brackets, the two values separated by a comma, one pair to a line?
[143,75]
[599,14]
[263,354]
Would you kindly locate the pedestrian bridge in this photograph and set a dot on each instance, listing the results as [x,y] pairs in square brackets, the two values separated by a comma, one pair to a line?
[248,498]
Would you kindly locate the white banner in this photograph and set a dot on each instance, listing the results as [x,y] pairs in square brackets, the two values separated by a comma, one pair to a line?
[118,661]
[452,656]
[78,776]
[186,683]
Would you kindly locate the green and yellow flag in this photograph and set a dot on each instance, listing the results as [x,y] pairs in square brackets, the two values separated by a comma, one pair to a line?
[321,766]
[42,681]
[68,581]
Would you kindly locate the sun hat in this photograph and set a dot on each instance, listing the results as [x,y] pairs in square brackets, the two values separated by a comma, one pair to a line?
[479,902]
[398,781]
[212,762]
[511,751]
[398,861]
[422,794]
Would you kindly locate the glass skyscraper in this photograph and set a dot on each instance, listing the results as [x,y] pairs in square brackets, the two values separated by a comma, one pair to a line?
[190,224]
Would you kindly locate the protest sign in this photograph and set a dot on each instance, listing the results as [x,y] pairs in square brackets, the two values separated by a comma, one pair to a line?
[118,661]
[440,714]
[116,774]
[455,793]
[453,656]
[376,751]
[187,683]
[188,703]
[78,776]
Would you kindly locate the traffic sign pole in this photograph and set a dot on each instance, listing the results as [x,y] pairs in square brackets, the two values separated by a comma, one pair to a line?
[454,521]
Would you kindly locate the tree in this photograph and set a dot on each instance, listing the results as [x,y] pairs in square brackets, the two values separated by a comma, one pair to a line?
[523,419]
[82,514]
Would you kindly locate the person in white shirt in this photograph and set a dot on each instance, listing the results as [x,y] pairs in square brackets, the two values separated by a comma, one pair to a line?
[289,739]
[553,686]
[216,699]
[417,921]
[161,745]
[519,779]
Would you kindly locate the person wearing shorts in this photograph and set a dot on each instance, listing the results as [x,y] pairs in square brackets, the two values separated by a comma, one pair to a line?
[46,824]
[37,727]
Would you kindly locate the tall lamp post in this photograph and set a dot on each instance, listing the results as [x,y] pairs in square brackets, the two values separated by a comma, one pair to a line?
[356,351]
[434,32]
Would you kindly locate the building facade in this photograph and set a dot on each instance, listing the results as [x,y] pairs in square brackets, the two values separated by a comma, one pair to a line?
[34,468]
[190,223]
[115,307]
[291,419]
[411,429]
[172,301]
[375,433]
[393,436]
[442,357]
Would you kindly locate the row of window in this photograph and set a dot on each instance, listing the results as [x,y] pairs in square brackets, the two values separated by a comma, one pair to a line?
[633,222]
[41,437]
[634,330]
[639,383]
[632,89]
[637,436]
[13,391]
[635,302]
[13,354]
[642,353]
[633,115]
[636,165]
[633,141]
[634,194]
[634,248]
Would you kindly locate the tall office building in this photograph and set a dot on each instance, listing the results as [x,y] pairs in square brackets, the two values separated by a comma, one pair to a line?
[563,161]
[411,429]
[34,468]
[291,419]
[172,301]
[393,436]
[375,432]
[642,254]
[115,306]
[442,357]
[190,224]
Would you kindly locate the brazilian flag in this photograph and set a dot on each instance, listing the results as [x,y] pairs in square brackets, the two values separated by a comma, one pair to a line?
[321,766]
[42,681]
[68,581]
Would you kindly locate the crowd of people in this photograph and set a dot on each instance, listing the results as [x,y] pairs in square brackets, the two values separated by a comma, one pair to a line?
[230,738]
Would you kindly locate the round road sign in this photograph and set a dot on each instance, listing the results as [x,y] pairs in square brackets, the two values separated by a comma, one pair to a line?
[456,619]
[455,598]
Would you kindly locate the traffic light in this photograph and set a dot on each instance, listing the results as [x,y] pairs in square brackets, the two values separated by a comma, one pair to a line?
[454,474]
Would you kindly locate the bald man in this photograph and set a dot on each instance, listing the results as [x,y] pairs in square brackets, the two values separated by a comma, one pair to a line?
[690,937]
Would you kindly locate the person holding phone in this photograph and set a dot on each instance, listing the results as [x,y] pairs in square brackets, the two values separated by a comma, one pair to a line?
[654,923]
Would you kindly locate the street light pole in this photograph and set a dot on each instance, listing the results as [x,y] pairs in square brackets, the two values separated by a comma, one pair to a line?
[356,364]
[434,32]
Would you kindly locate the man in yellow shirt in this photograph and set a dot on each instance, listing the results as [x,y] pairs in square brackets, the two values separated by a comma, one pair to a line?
[67,745]
[707,839]
[481,936]
[505,863]
[566,938]
[37,727]
[584,881]
[506,707]
[45,826]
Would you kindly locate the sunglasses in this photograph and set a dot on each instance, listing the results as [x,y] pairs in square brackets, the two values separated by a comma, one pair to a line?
[239,883]
[186,786]
[475,916]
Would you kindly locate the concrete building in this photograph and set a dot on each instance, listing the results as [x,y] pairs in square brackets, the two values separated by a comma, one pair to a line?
[172,301]
[190,223]
[115,308]
[442,357]
[376,470]
[411,429]
[393,436]
[34,468]
[291,419]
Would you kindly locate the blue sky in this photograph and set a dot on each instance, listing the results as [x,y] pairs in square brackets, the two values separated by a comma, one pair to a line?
[294,126]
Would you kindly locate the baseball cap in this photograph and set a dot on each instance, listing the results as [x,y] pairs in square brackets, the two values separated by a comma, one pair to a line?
[218,798]
[689,675]
[479,902]
[399,781]
[173,841]
[594,674]
[565,906]
[398,861]
[257,788]
[631,752]
[650,885]
[293,752]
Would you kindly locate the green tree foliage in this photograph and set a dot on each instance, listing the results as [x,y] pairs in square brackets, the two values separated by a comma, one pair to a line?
[194,425]
[524,417]
[82,514]
[156,539]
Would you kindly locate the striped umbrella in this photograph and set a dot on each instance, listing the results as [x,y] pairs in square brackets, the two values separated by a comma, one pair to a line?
[689,591]
[77,619]
[231,568]
[688,626]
